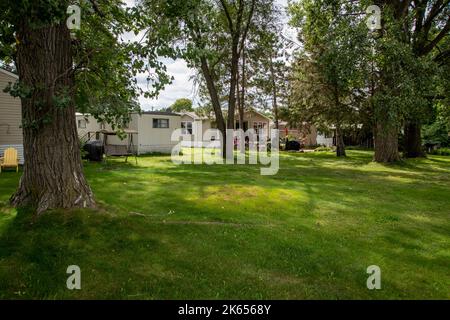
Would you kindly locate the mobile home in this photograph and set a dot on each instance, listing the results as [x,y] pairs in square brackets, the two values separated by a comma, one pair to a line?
[10,117]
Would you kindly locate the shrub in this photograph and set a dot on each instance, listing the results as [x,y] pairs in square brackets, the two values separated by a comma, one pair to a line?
[441,152]
[324,149]
[292,146]
[358,148]
[313,146]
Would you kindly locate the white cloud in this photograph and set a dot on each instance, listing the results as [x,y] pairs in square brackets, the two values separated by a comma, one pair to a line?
[181,87]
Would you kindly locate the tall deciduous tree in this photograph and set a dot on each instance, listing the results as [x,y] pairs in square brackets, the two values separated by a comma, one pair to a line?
[403,82]
[426,25]
[267,64]
[329,75]
[58,73]
[404,62]
[213,36]
[408,57]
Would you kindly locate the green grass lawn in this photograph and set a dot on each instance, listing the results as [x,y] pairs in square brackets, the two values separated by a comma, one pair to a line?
[164,231]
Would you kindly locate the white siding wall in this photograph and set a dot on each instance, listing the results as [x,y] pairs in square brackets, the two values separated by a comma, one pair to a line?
[321,140]
[92,126]
[199,127]
[156,139]
[148,139]
[10,118]
[253,117]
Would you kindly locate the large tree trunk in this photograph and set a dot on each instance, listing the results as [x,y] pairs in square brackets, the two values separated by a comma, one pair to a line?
[215,101]
[340,146]
[274,94]
[413,140]
[243,86]
[241,96]
[233,82]
[386,143]
[53,174]
[386,129]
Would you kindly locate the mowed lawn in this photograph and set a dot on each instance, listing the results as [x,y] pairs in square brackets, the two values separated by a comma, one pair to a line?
[166,231]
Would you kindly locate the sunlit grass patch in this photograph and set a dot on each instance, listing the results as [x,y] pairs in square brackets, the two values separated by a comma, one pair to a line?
[167,231]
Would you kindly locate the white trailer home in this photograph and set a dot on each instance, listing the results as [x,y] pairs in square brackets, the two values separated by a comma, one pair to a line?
[154,131]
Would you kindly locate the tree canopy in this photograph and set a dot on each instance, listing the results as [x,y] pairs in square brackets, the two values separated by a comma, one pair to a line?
[394,79]
[182,104]
[61,71]
[389,78]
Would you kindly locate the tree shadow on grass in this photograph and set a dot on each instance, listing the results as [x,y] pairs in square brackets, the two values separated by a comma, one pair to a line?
[344,185]
[315,246]
[35,253]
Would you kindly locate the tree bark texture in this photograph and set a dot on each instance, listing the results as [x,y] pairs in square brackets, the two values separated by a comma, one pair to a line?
[53,174]
[215,101]
[413,140]
[274,94]
[340,146]
[386,142]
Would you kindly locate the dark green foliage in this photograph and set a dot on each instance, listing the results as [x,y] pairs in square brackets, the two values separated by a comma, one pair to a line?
[441,152]
[437,133]
[105,64]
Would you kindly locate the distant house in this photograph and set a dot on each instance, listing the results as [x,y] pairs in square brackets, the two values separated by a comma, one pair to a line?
[194,127]
[10,117]
[154,129]
[200,124]
[307,135]
[326,138]
[255,120]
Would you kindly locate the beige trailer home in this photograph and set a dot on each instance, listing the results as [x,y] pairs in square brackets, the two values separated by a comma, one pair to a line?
[10,117]
[154,130]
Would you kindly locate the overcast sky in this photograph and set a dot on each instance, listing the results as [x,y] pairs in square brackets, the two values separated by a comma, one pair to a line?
[183,84]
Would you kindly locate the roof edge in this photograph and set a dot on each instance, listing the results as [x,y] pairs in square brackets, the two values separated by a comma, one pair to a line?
[257,112]
[9,73]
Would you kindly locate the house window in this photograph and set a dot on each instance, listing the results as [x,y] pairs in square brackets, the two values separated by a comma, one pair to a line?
[102,126]
[81,124]
[245,123]
[258,126]
[161,123]
[186,127]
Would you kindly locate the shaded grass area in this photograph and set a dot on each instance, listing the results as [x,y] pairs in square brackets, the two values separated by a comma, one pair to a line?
[164,231]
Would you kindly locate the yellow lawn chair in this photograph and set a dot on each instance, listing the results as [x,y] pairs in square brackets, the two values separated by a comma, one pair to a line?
[10,160]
